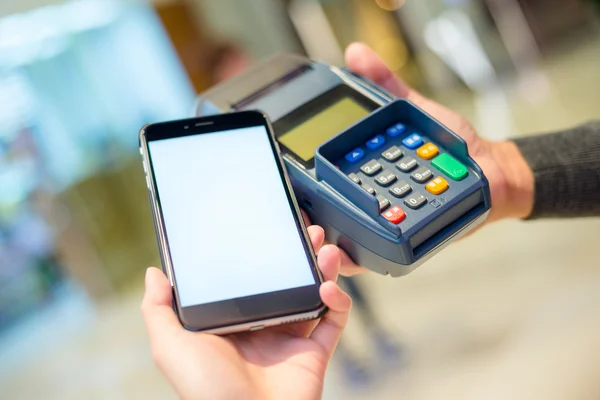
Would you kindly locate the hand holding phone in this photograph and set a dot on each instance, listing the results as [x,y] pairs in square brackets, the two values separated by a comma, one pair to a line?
[219,192]
[237,257]
[287,361]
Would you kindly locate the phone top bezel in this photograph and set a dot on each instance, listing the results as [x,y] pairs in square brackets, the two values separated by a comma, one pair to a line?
[244,310]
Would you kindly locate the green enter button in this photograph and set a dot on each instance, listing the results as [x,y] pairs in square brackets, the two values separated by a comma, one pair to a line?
[449,166]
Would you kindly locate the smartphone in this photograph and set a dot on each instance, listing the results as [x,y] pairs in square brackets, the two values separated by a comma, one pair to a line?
[231,237]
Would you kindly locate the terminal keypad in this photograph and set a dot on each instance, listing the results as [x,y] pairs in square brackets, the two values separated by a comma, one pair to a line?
[404,171]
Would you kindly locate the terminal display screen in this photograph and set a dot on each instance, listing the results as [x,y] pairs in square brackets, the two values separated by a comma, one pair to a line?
[306,137]
[303,130]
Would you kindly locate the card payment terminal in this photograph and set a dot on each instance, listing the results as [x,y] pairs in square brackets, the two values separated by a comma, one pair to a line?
[389,184]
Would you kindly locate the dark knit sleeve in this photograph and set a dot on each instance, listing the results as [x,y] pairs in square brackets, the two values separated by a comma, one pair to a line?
[566,168]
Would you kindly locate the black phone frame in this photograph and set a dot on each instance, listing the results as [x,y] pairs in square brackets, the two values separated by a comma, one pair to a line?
[243,310]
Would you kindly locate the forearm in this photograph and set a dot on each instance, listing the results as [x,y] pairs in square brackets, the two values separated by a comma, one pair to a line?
[553,175]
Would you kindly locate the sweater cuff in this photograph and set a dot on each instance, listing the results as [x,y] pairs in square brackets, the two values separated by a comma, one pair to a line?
[566,169]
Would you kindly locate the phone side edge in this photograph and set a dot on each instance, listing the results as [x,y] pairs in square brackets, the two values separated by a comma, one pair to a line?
[295,206]
[159,225]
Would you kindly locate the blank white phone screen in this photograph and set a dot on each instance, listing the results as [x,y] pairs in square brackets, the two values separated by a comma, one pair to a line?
[230,227]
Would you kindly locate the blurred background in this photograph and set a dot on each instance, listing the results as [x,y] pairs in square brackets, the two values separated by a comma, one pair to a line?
[510,312]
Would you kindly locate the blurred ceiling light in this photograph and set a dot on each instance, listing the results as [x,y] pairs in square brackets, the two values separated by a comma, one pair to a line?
[315,31]
[453,38]
[390,5]
[40,33]
[533,83]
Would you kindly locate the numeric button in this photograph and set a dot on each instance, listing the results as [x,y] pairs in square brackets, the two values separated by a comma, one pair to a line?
[422,175]
[415,200]
[354,178]
[371,168]
[386,178]
[400,189]
[407,164]
[369,189]
[392,154]
[383,203]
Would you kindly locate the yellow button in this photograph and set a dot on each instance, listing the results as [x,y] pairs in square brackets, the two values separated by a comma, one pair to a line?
[437,186]
[428,151]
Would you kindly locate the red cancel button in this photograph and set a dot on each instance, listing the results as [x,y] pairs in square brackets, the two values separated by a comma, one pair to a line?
[395,215]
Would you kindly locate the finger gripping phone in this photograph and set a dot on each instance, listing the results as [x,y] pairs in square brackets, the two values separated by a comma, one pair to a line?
[231,237]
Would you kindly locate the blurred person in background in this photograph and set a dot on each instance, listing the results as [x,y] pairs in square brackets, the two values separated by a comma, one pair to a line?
[546,176]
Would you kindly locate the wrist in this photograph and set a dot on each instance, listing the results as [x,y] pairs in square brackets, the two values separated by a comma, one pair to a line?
[516,184]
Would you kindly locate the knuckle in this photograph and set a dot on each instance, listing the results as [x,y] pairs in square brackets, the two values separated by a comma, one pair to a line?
[349,301]
[144,309]
[157,355]
[315,229]
[331,247]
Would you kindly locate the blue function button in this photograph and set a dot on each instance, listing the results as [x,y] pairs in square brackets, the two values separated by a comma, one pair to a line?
[376,142]
[413,141]
[396,130]
[355,155]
